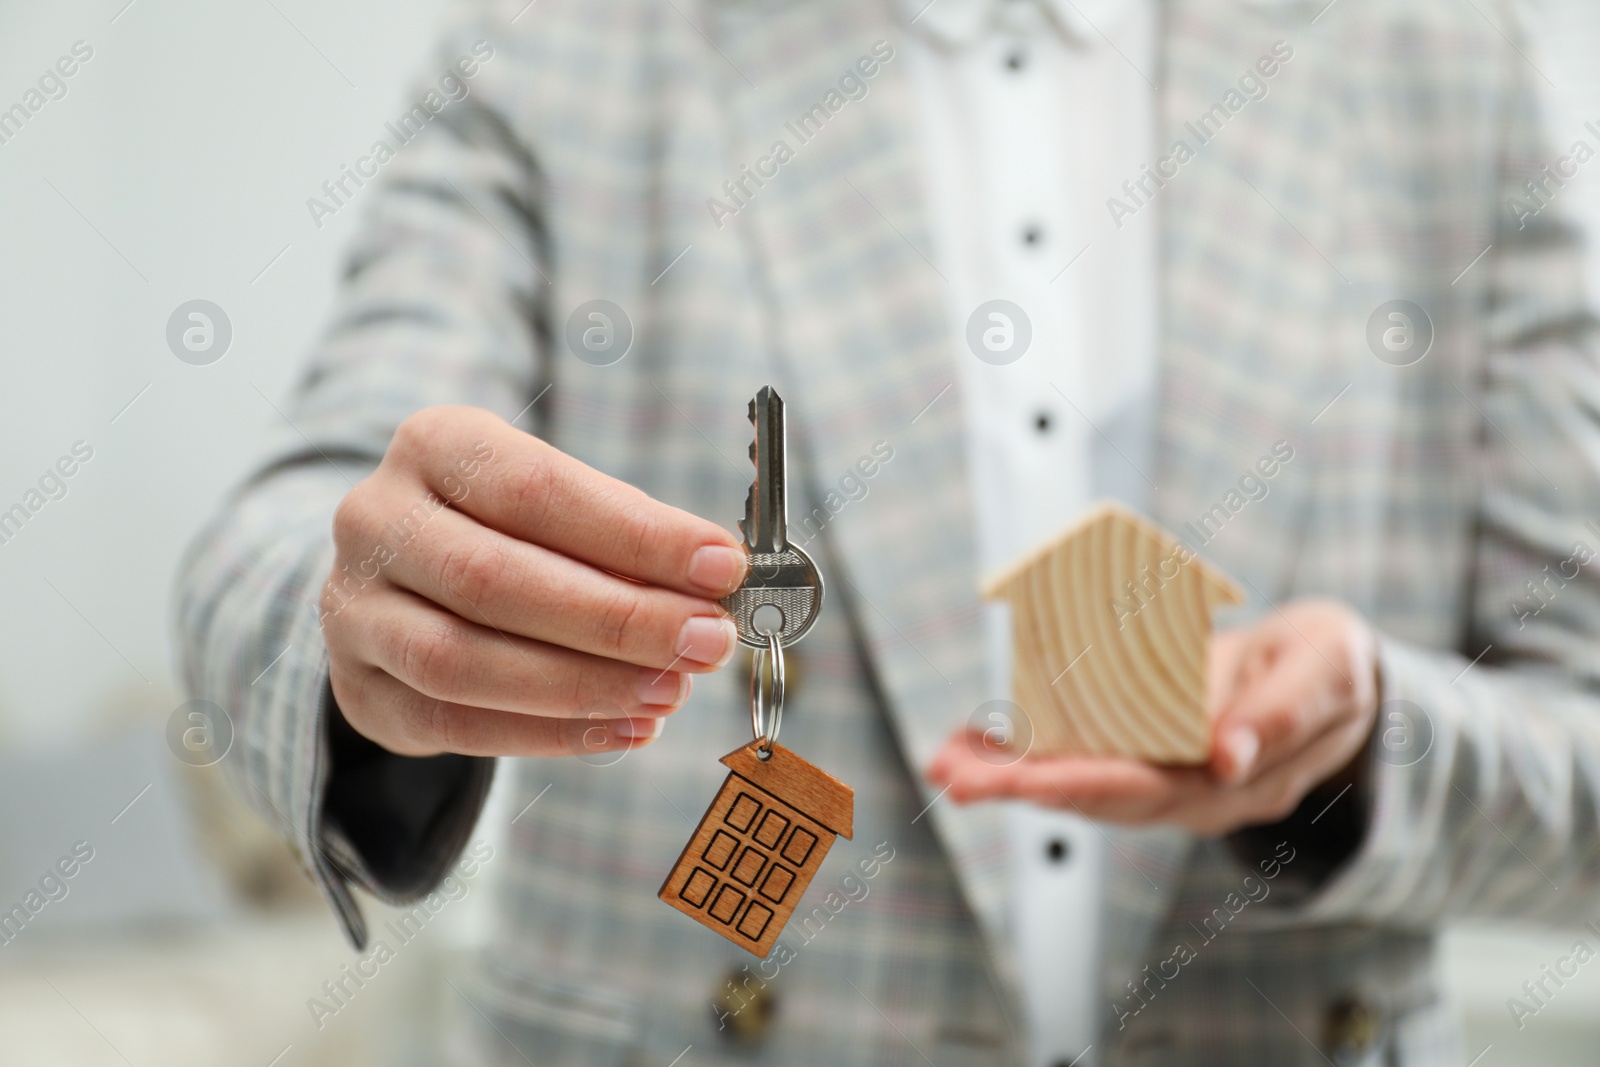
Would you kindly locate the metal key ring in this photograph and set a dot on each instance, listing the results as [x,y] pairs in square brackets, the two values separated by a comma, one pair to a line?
[766,714]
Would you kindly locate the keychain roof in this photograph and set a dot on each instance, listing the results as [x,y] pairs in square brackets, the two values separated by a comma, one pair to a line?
[1111,623]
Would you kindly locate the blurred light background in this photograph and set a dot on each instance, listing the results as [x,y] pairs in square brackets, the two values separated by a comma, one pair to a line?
[177,167]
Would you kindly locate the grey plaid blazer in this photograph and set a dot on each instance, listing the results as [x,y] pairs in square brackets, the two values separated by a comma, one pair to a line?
[1446,500]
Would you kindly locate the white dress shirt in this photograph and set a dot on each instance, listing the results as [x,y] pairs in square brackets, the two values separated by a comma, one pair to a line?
[1031,114]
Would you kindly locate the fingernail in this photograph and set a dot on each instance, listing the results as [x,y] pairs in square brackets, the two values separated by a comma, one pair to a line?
[640,729]
[662,687]
[707,639]
[717,568]
[1243,745]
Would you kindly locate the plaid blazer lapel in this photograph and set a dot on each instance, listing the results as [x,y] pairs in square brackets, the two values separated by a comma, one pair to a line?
[866,357]
[1257,292]
[1252,284]
[1270,273]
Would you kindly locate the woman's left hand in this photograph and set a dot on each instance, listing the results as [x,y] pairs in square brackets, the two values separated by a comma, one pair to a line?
[1293,700]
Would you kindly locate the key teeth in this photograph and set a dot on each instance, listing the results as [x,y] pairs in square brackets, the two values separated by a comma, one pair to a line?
[765,399]
[747,525]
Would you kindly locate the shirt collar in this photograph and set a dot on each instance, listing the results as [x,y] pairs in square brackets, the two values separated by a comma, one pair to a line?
[960,23]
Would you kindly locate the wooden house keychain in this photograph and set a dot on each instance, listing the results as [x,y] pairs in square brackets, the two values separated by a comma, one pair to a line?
[765,835]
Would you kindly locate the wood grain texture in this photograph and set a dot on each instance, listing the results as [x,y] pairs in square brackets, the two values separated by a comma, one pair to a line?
[1111,623]
[801,783]
[758,846]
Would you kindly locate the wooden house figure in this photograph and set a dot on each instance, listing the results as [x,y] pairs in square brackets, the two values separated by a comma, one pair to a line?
[1111,624]
[759,845]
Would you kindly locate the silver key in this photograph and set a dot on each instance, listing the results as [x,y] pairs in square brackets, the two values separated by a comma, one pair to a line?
[783,593]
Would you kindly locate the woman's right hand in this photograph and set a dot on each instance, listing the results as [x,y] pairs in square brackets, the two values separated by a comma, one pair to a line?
[494,596]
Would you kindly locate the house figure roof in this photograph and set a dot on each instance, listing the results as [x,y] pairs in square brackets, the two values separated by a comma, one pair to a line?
[1111,622]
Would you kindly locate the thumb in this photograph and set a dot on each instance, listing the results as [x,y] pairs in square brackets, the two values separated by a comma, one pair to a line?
[1270,715]
[1224,662]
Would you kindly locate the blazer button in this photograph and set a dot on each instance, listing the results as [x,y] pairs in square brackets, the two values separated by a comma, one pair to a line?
[794,673]
[1349,1030]
[744,1007]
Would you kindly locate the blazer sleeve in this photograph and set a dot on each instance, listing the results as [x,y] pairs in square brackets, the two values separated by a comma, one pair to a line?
[443,302]
[1483,777]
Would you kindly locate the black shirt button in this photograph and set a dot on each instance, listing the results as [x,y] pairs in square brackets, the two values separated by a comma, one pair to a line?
[1058,850]
[1032,235]
[1016,60]
[1041,422]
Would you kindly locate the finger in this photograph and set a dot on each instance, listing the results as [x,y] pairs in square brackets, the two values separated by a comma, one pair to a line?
[1096,786]
[1275,715]
[1274,794]
[486,577]
[1132,792]
[962,746]
[533,491]
[447,658]
[938,771]
[419,725]
[957,762]
[1113,790]
[1241,655]
[1226,657]
[1194,800]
